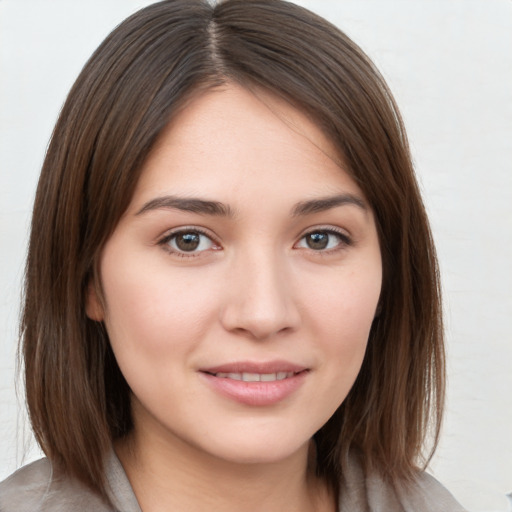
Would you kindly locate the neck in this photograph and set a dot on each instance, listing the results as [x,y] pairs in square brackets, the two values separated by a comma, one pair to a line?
[178,476]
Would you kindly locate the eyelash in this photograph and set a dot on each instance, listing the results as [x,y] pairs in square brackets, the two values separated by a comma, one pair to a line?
[164,242]
[344,241]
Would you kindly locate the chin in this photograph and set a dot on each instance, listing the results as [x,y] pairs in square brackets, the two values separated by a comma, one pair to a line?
[257,448]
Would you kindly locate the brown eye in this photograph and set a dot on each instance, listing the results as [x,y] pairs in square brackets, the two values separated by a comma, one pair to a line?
[188,242]
[323,240]
[317,241]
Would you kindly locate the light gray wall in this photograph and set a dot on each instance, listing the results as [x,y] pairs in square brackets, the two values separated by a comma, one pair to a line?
[449,64]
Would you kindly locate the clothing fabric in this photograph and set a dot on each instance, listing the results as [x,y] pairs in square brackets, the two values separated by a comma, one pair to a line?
[34,489]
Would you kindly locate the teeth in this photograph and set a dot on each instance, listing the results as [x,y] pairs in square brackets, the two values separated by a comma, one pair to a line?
[251,377]
[256,377]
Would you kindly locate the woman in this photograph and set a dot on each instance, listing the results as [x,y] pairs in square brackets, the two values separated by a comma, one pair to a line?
[232,298]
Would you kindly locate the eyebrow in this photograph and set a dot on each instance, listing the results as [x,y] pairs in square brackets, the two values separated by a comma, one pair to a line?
[216,208]
[326,203]
[188,204]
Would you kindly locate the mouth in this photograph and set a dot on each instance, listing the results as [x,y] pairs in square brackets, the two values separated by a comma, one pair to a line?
[256,384]
[255,377]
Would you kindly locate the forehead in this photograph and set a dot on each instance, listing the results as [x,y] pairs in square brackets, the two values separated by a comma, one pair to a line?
[230,139]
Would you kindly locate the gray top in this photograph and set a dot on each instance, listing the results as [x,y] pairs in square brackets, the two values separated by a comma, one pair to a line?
[33,489]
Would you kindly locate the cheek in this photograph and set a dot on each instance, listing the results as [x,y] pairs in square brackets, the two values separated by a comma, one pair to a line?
[345,336]
[347,301]
[343,314]
[153,311]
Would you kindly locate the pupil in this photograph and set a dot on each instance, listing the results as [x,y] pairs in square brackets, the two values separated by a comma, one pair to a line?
[187,241]
[317,240]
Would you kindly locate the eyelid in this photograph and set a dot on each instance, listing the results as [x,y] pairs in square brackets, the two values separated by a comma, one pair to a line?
[164,240]
[346,240]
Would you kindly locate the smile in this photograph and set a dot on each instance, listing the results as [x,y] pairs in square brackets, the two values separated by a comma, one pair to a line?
[256,384]
[255,377]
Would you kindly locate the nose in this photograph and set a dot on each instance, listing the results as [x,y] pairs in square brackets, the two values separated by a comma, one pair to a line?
[260,298]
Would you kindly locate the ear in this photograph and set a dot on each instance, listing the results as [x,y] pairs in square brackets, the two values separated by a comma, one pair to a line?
[93,305]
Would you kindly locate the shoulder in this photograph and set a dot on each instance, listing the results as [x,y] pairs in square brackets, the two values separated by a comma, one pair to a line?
[26,488]
[34,488]
[372,492]
[426,493]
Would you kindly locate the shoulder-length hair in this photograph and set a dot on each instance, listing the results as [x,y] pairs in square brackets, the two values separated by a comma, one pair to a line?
[127,93]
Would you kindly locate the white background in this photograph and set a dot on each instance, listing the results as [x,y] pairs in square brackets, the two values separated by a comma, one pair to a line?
[449,63]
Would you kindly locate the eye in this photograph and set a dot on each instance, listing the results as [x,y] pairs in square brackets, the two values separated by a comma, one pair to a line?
[188,241]
[323,240]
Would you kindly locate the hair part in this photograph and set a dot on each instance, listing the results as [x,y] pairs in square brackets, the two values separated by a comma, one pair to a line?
[129,90]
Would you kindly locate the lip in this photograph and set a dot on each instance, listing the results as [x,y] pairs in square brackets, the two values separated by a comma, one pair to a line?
[259,393]
[256,367]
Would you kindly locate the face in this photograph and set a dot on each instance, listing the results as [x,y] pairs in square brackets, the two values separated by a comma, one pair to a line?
[241,283]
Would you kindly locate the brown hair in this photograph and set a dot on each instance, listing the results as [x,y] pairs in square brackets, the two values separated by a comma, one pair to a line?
[126,94]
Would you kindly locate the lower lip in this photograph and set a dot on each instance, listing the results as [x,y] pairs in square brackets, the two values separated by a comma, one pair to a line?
[256,393]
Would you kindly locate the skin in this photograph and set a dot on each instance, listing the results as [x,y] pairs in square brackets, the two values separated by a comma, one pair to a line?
[255,289]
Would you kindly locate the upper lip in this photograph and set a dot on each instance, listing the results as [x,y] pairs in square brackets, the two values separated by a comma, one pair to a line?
[255,367]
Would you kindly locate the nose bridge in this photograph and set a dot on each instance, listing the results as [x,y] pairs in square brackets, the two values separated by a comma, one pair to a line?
[261,300]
